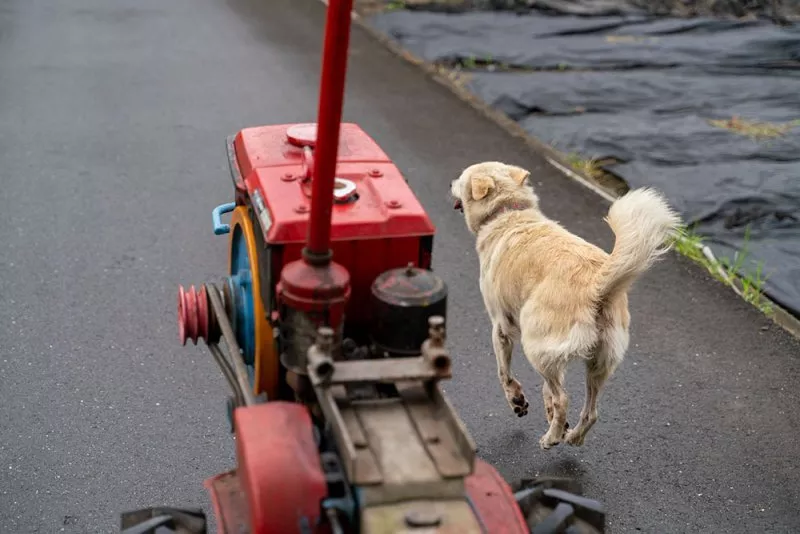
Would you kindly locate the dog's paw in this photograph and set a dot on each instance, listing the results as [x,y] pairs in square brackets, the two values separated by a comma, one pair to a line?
[547,441]
[516,398]
[574,438]
[519,404]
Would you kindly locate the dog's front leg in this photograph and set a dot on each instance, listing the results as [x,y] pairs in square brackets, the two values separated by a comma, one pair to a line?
[503,348]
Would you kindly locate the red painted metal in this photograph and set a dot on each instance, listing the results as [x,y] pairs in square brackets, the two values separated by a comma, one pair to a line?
[229,503]
[302,135]
[494,501]
[265,156]
[329,118]
[279,469]
[194,319]
[320,289]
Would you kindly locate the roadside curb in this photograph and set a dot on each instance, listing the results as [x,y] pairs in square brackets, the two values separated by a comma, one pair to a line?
[778,314]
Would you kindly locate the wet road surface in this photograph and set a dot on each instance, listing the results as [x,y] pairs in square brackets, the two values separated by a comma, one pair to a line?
[113,119]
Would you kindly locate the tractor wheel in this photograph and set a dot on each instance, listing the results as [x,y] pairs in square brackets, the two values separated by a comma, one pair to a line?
[554,506]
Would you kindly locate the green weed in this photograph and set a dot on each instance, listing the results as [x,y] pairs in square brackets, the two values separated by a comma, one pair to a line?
[588,167]
[394,6]
[749,285]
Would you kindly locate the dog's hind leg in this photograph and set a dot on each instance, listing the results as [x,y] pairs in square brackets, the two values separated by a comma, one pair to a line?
[558,405]
[599,368]
[547,397]
[503,348]
[596,376]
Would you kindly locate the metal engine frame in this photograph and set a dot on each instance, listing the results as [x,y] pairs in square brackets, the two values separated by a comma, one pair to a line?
[336,431]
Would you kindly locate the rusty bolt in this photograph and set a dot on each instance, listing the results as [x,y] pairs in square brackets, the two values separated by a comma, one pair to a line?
[375,173]
[288,177]
[393,204]
[301,209]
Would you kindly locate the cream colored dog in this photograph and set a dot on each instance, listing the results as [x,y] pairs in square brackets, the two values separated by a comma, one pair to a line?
[564,297]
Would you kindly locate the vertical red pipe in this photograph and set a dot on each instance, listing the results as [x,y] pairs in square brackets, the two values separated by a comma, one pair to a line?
[331,102]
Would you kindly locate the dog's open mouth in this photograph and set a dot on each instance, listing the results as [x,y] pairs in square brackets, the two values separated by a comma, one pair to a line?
[457,205]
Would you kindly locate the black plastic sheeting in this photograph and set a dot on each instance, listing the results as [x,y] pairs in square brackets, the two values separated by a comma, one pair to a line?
[778,10]
[642,90]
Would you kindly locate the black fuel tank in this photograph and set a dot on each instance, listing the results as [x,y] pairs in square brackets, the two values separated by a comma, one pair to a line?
[402,301]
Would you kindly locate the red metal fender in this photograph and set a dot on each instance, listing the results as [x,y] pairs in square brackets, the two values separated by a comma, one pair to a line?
[279,482]
[494,501]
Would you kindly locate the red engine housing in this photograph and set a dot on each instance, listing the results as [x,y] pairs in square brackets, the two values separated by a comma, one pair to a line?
[385,228]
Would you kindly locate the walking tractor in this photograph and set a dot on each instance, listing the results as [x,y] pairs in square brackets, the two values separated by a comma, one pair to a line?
[330,328]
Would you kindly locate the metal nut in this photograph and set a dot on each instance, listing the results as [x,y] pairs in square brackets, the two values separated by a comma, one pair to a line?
[393,204]
[324,338]
[301,209]
[375,173]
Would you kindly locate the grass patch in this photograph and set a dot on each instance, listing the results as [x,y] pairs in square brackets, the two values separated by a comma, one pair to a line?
[588,167]
[753,129]
[394,6]
[690,244]
[749,286]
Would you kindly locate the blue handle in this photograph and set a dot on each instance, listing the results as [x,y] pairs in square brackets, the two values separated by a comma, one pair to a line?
[216,217]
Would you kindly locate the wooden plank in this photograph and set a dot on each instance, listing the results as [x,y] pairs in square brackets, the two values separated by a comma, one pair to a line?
[463,439]
[436,432]
[358,460]
[401,457]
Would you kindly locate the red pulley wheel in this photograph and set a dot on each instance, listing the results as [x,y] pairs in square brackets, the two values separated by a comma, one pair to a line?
[194,316]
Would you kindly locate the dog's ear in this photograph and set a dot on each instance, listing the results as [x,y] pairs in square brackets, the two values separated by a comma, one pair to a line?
[481,185]
[518,174]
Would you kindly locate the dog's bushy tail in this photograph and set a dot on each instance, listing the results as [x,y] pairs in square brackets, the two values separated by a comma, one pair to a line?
[642,221]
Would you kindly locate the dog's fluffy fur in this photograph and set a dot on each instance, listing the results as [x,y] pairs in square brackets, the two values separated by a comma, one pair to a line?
[564,297]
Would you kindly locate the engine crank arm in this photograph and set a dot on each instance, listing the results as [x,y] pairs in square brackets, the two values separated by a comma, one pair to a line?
[238,367]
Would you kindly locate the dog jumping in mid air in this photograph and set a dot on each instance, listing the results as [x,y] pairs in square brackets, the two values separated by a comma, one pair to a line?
[565,298]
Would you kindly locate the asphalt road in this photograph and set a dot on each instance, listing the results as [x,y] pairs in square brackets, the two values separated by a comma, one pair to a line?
[113,118]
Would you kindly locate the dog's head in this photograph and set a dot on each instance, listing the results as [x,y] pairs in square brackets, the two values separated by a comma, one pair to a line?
[485,188]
